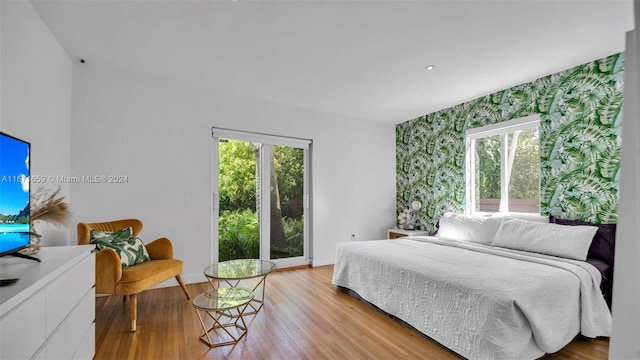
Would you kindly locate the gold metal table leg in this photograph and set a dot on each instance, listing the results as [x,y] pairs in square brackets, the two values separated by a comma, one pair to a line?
[259,289]
[215,316]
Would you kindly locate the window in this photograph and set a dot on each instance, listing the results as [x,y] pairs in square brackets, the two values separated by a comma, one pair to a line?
[503,167]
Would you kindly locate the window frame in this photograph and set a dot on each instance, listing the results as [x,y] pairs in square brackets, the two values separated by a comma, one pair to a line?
[502,129]
[267,142]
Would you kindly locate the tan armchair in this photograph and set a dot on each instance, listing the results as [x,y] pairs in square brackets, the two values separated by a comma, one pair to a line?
[111,278]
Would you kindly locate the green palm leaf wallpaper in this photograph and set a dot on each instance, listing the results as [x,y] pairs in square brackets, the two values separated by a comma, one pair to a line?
[581,113]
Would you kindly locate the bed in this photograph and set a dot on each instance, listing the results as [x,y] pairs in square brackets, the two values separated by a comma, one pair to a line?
[486,289]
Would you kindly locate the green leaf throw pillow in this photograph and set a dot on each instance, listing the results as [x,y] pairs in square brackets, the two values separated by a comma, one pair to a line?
[131,251]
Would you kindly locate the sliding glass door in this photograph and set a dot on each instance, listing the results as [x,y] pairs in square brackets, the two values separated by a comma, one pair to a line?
[237,217]
[261,200]
[286,201]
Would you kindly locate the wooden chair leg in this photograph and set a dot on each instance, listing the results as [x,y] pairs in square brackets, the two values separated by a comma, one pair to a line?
[134,311]
[184,288]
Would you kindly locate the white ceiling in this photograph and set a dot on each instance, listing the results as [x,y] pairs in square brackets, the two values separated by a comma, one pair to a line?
[364,59]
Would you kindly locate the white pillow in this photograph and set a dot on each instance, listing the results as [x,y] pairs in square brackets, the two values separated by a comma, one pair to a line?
[477,229]
[545,238]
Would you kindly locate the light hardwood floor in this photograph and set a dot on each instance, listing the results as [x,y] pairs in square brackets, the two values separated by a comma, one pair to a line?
[304,317]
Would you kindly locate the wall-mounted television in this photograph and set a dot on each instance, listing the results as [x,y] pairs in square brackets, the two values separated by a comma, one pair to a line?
[15,224]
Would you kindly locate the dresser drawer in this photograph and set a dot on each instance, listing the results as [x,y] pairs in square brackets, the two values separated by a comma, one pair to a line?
[64,343]
[88,345]
[21,330]
[67,290]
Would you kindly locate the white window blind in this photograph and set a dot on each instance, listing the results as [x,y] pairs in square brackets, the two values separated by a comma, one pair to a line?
[260,138]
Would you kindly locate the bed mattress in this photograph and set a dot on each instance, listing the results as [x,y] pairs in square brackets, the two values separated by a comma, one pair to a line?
[480,301]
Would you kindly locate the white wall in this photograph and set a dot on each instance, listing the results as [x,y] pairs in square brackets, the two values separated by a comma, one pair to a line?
[36,97]
[626,284]
[157,132]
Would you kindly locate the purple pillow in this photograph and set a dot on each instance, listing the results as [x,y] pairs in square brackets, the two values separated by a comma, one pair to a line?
[603,245]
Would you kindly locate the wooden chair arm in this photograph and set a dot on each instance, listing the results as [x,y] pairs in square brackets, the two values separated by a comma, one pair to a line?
[160,249]
[108,271]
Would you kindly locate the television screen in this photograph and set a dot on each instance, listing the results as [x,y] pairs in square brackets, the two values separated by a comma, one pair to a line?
[14,194]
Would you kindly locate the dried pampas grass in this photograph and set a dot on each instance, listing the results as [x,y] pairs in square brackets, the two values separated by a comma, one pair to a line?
[48,206]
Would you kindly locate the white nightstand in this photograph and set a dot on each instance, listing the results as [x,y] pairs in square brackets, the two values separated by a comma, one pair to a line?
[396,233]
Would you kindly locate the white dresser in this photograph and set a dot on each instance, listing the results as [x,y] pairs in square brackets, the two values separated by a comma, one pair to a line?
[49,313]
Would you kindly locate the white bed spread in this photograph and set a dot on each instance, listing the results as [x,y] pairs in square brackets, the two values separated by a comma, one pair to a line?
[480,301]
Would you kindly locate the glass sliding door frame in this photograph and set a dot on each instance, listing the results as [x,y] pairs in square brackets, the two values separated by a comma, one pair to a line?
[267,142]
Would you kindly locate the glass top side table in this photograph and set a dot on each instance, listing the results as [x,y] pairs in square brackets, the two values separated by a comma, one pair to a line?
[232,272]
[239,269]
[223,299]
[213,305]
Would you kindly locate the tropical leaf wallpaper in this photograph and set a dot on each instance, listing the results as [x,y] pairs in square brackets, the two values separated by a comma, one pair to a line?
[580,111]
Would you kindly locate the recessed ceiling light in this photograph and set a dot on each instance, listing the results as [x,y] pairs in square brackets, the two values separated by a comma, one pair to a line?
[429,67]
